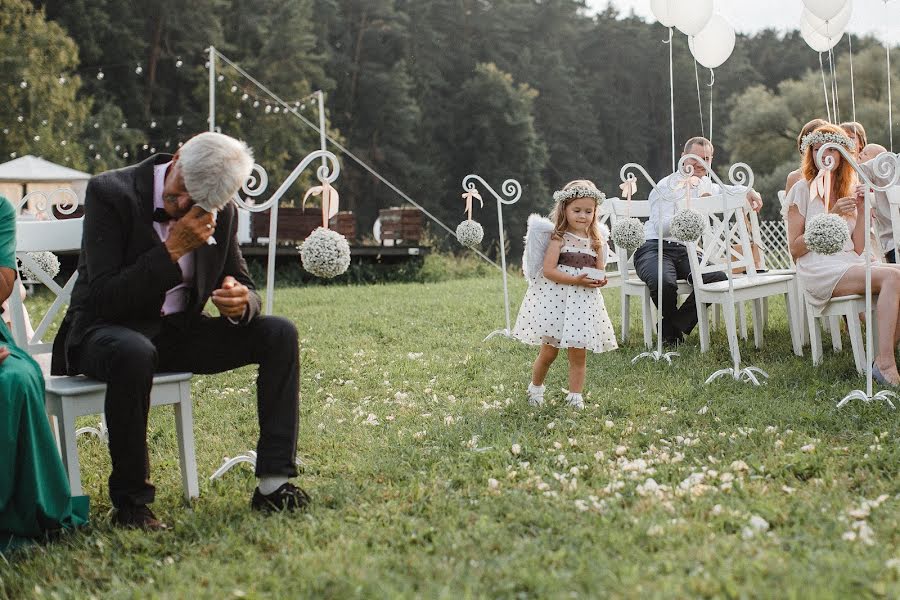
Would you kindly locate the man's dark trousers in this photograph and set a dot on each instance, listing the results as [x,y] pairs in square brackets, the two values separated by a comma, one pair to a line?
[127,360]
[677,320]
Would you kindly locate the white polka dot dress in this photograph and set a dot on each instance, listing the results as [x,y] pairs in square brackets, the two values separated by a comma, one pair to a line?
[563,315]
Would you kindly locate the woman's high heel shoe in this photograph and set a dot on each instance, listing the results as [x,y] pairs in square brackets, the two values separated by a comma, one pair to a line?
[878,376]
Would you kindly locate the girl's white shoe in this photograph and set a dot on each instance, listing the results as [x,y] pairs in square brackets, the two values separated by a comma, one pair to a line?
[575,401]
[535,395]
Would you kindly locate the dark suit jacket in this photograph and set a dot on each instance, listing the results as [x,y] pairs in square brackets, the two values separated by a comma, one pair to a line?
[124,269]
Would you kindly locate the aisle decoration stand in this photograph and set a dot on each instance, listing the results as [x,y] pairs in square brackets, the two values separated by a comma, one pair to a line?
[255,186]
[512,191]
[629,180]
[886,166]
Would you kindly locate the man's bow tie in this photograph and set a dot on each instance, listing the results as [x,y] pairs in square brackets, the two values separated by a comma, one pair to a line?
[161,216]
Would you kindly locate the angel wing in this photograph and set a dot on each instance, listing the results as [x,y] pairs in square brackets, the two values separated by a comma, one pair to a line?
[537,239]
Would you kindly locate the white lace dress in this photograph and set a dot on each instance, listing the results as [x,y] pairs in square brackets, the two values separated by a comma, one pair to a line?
[563,315]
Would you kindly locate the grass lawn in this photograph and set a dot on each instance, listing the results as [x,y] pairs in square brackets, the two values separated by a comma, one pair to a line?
[432,477]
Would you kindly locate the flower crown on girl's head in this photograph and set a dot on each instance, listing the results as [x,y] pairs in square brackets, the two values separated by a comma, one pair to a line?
[824,137]
[579,191]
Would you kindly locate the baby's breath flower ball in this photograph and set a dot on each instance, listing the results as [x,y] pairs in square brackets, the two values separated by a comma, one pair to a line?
[325,253]
[688,225]
[48,263]
[469,233]
[826,234]
[628,233]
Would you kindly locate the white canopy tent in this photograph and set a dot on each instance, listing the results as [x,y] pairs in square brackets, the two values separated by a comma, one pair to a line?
[29,173]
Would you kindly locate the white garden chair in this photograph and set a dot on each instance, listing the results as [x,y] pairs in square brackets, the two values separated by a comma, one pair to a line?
[70,397]
[843,306]
[606,218]
[728,229]
[631,285]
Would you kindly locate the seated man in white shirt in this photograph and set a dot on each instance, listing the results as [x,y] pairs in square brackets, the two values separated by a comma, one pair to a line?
[677,321]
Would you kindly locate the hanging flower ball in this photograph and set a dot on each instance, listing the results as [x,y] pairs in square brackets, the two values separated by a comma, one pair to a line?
[628,233]
[325,253]
[47,262]
[826,234]
[688,225]
[469,233]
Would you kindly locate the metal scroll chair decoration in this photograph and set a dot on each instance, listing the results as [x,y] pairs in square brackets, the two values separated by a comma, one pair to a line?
[254,187]
[741,176]
[886,166]
[512,191]
[626,174]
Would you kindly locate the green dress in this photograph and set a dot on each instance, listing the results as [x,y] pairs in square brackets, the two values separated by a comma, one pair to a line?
[34,489]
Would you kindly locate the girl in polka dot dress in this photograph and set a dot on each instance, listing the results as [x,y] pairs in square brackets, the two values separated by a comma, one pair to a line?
[563,307]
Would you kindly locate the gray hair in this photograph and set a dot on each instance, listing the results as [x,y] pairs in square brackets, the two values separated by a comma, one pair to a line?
[696,140]
[214,166]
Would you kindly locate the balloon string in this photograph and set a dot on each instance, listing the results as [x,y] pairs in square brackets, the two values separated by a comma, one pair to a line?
[852,80]
[890,101]
[699,100]
[712,82]
[824,89]
[672,97]
[834,106]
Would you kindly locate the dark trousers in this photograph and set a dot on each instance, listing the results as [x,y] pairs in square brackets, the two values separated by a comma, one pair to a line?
[891,257]
[677,320]
[126,360]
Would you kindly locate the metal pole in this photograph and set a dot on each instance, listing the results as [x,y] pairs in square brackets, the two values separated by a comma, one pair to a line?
[503,265]
[323,143]
[270,266]
[212,88]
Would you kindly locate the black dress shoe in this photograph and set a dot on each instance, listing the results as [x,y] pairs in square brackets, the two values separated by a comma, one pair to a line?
[673,341]
[286,497]
[137,517]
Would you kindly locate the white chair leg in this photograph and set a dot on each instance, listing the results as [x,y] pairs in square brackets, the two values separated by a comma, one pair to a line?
[626,314]
[815,338]
[731,329]
[702,315]
[765,306]
[68,448]
[758,323]
[703,323]
[834,325]
[716,317]
[742,315]
[184,420]
[800,312]
[794,325]
[649,324]
[856,343]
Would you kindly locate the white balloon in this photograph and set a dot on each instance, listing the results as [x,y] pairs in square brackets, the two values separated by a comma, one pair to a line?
[816,40]
[712,46]
[825,9]
[833,26]
[662,11]
[691,16]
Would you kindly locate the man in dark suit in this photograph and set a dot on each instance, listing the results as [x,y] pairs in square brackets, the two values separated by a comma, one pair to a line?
[145,273]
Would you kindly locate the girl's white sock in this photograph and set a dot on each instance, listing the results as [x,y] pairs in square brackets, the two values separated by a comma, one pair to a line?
[535,394]
[575,400]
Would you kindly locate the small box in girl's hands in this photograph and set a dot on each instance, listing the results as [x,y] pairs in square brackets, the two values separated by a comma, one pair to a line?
[595,274]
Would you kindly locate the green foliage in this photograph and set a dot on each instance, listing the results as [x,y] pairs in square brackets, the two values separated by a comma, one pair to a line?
[764,123]
[39,111]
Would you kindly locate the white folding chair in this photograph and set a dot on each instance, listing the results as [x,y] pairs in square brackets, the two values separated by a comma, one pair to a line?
[631,284]
[728,228]
[613,273]
[70,397]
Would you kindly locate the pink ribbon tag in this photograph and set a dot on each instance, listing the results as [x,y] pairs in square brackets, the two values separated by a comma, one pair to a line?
[330,201]
[688,183]
[629,187]
[472,193]
[821,187]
